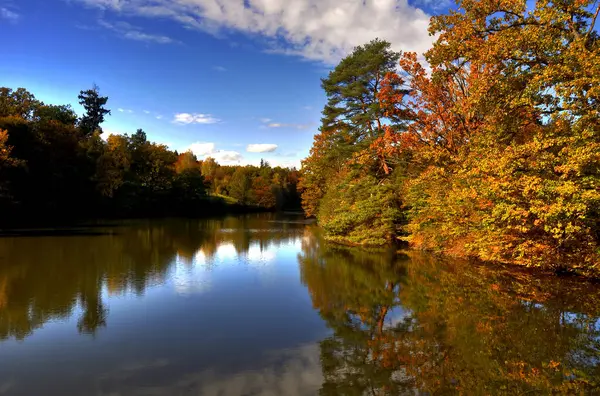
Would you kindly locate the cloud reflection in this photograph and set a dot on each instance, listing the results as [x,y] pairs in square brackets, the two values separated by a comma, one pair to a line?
[291,372]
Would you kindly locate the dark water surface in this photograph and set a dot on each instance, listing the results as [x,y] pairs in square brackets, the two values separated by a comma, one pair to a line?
[259,305]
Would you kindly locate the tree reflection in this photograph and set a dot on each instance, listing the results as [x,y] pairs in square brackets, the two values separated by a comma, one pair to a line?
[54,277]
[356,293]
[414,323]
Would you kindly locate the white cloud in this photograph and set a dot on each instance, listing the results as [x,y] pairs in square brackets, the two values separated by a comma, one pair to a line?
[282,125]
[146,111]
[120,110]
[265,120]
[322,30]
[261,148]
[9,15]
[227,157]
[200,149]
[204,150]
[158,117]
[130,32]
[195,118]
[220,68]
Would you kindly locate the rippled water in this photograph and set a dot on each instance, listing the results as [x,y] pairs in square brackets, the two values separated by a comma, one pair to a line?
[260,305]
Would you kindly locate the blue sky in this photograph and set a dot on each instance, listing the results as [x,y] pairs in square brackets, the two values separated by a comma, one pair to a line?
[238,80]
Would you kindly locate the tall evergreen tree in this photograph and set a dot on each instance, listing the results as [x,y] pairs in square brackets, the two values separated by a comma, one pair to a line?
[353,107]
[95,111]
[340,160]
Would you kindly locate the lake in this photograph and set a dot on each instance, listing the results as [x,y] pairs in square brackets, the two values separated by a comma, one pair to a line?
[260,305]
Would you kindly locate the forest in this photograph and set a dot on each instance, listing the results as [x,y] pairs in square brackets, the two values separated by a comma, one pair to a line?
[488,147]
[55,166]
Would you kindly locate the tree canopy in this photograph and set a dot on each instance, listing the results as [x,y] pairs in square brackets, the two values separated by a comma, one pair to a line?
[492,148]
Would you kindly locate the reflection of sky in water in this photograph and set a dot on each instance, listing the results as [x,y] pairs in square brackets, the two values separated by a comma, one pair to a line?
[190,279]
[395,316]
[197,276]
[237,320]
[257,256]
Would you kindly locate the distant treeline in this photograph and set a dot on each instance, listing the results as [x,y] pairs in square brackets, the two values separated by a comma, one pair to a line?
[55,166]
[490,150]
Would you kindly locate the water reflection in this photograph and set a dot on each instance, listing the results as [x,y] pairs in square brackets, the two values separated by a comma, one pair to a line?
[261,305]
[51,277]
[292,372]
[406,324]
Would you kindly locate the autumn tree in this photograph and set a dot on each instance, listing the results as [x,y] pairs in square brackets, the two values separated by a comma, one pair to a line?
[113,165]
[189,184]
[186,161]
[209,169]
[18,103]
[262,192]
[503,144]
[7,163]
[240,185]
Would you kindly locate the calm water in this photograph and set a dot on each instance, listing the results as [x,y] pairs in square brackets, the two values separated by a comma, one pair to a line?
[259,305]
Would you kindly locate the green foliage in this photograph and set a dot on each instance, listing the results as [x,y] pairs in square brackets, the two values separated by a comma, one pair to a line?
[353,107]
[340,182]
[19,103]
[360,211]
[264,187]
[189,186]
[63,114]
[240,185]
